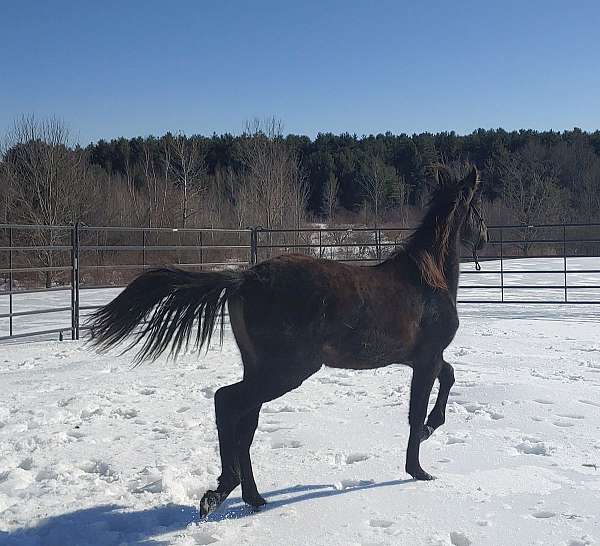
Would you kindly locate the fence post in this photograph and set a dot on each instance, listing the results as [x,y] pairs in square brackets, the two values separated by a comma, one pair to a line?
[565,259]
[73,269]
[502,265]
[10,280]
[143,250]
[75,281]
[201,250]
[320,243]
[253,245]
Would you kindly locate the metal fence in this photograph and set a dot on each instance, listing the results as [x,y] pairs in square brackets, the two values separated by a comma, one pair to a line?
[542,264]
[71,265]
[51,276]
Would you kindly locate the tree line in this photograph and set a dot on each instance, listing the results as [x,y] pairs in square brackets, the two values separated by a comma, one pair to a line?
[263,177]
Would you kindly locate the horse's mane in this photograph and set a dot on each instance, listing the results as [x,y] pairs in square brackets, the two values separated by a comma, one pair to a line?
[428,246]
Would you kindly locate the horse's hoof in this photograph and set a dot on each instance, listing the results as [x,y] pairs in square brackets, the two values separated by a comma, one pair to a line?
[426,432]
[256,501]
[209,503]
[420,474]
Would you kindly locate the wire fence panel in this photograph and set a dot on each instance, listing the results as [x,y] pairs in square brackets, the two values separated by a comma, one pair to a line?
[552,263]
[52,276]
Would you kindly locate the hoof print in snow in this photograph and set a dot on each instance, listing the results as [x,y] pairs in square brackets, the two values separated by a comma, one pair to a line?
[356,458]
[570,415]
[292,444]
[452,439]
[563,424]
[459,539]
[204,538]
[124,413]
[342,485]
[101,468]
[591,403]
[147,391]
[272,427]
[532,446]
[544,514]
[380,523]
[280,409]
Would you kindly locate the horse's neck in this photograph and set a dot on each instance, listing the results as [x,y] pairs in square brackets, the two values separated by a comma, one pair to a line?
[452,266]
[452,259]
[451,262]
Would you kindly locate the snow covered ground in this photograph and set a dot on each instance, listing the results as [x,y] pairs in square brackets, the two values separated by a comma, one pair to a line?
[93,451]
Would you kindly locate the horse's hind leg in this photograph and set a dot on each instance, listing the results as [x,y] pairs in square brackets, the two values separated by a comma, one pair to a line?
[227,413]
[245,434]
[233,404]
[437,417]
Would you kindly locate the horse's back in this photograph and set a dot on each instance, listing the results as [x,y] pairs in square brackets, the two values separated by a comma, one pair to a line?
[299,307]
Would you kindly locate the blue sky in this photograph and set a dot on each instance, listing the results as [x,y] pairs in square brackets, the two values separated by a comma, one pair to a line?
[131,68]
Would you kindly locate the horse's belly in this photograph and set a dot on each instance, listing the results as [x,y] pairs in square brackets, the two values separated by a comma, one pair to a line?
[355,364]
[364,356]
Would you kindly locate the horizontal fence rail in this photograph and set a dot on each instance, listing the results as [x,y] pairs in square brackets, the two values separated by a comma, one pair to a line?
[51,274]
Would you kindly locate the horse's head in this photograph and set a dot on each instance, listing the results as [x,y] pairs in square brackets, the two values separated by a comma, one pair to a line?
[473,234]
[454,217]
[467,194]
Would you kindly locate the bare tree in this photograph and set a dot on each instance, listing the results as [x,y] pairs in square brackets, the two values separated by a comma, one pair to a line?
[47,178]
[399,197]
[274,192]
[579,171]
[188,168]
[531,191]
[375,184]
[6,192]
[157,189]
[330,197]
[218,206]
[588,202]
[243,202]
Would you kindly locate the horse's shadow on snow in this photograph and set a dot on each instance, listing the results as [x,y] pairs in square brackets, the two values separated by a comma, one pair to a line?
[234,508]
[112,524]
[106,524]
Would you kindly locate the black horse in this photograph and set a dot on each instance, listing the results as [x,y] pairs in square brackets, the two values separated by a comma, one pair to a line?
[292,314]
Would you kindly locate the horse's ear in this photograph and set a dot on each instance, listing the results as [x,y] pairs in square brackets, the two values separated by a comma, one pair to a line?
[471,181]
[443,176]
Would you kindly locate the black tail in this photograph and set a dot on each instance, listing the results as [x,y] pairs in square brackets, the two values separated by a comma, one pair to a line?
[169,301]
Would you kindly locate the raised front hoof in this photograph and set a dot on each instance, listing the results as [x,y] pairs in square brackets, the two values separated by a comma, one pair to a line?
[209,503]
[256,501]
[426,433]
[420,474]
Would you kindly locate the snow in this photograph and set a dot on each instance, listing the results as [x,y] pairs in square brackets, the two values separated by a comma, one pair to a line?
[94,451]
[537,274]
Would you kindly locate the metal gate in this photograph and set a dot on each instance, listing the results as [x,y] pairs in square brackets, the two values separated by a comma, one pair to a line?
[51,276]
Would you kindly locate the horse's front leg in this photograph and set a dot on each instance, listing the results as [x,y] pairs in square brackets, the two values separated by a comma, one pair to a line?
[424,373]
[437,417]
